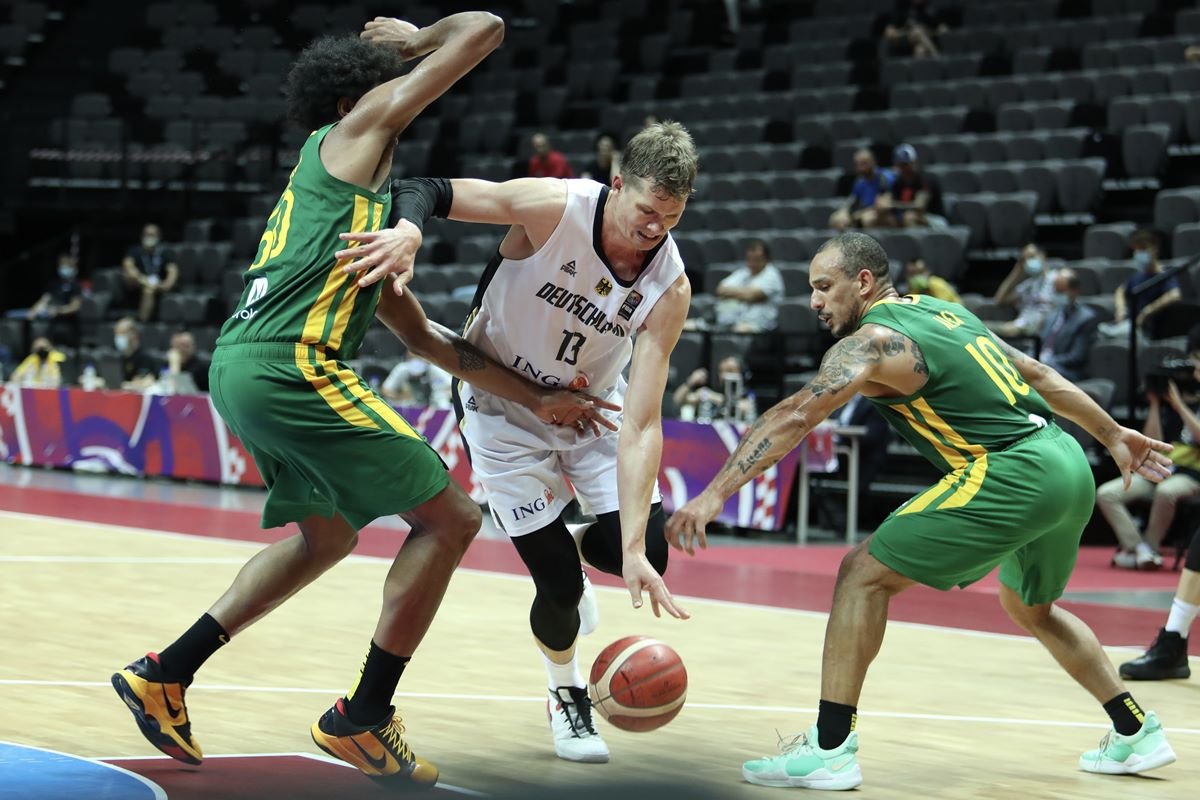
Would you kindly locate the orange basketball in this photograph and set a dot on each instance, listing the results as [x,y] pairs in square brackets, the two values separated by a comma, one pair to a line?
[638,684]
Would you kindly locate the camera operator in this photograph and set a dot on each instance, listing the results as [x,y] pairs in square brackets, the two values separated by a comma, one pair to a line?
[1140,550]
[1167,657]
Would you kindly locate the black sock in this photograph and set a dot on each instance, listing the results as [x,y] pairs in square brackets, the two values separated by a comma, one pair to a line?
[181,659]
[834,723]
[370,699]
[1126,714]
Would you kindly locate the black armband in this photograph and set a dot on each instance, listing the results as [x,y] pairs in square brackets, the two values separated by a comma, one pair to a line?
[418,199]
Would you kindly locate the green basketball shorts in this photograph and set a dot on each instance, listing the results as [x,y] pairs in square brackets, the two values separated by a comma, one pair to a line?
[1026,516]
[323,441]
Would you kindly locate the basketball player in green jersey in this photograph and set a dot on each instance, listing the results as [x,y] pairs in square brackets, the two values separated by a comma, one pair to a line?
[1017,493]
[334,455]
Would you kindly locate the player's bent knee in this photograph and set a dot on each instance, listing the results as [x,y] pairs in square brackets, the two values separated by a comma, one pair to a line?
[1028,617]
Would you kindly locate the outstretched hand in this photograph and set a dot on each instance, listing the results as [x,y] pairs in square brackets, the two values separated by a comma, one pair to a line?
[640,576]
[391,251]
[686,526]
[575,409]
[1137,453]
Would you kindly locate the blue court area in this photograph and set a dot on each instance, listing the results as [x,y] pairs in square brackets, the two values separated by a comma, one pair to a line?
[27,773]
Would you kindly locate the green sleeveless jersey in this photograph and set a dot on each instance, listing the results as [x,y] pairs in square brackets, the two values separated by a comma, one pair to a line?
[295,290]
[974,401]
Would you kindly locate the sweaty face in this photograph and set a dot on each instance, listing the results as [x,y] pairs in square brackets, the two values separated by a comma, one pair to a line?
[645,217]
[836,298]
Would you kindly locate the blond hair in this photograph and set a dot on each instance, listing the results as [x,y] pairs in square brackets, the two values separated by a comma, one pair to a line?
[664,156]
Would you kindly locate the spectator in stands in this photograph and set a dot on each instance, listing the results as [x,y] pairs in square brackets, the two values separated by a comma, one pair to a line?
[416,382]
[915,199]
[913,29]
[1141,551]
[727,399]
[1070,330]
[546,162]
[42,368]
[1030,288]
[61,301]
[1167,656]
[187,373]
[149,270]
[139,370]
[606,162]
[1192,54]
[1145,244]
[872,444]
[750,295]
[922,281]
[859,209]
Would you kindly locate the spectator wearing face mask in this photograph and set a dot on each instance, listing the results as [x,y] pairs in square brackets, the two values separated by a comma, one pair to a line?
[59,304]
[42,368]
[1070,330]
[149,270]
[696,400]
[1029,288]
[1144,306]
[139,370]
[922,281]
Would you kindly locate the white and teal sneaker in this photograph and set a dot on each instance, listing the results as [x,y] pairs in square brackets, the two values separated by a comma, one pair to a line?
[1125,755]
[802,763]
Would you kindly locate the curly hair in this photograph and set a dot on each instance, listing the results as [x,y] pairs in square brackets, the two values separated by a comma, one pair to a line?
[334,67]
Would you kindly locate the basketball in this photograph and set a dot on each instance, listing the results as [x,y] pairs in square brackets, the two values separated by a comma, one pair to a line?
[638,684]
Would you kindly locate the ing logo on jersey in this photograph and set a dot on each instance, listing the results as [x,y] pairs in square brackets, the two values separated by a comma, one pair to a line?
[569,268]
[603,287]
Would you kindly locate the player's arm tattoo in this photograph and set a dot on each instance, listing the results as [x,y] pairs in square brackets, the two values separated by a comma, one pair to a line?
[845,360]
[744,457]
[470,358]
[919,365]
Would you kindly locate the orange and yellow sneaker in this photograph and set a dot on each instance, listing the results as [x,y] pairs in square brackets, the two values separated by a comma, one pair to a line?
[159,708]
[378,751]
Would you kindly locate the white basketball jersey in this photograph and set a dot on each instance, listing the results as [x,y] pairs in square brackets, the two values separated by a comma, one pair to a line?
[562,318]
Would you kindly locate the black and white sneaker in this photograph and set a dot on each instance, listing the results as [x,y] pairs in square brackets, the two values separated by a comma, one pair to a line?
[575,736]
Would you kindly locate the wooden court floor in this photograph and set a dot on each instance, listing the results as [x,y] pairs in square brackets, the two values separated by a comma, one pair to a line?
[945,713]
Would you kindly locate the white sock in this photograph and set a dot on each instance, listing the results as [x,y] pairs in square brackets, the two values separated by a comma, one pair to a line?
[564,674]
[1181,618]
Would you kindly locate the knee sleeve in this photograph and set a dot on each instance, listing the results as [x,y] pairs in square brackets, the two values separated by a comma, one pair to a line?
[601,543]
[549,554]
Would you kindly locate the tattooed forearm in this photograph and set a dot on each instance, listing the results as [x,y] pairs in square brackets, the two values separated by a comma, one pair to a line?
[470,359]
[843,362]
[745,465]
[919,365]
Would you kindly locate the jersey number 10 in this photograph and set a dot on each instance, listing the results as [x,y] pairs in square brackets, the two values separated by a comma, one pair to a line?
[998,368]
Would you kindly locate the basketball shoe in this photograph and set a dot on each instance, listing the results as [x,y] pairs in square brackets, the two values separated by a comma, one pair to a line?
[589,608]
[802,763]
[575,736]
[1125,755]
[158,708]
[1167,658]
[378,751]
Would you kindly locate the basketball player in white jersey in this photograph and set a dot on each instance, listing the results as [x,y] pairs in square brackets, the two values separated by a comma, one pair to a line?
[582,269]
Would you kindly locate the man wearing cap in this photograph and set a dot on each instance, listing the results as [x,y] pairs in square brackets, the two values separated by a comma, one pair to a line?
[915,199]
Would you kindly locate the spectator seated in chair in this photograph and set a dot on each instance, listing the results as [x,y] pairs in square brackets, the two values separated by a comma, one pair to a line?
[1141,550]
[1070,330]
